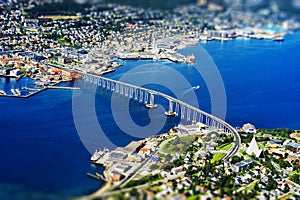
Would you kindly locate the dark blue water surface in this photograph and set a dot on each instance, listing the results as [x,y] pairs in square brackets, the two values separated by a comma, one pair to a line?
[42,156]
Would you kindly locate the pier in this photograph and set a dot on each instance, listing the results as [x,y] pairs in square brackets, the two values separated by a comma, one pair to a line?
[176,107]
[36,91]
[63,88]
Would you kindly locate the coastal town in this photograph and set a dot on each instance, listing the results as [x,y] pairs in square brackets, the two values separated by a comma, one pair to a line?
[187,163]
[194,161]
[53,48]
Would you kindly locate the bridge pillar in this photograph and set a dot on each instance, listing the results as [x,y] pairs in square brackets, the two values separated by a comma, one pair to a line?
[99,82]
[130,93]
[146,97]
[170,113]
[108,85]
[103,83]
[136,94]
[182,112]
[194,117]
[151,103]
[141,96]
[117,87]
[188,114]
[177,108]
[126,91]
[121,89]
[112,87]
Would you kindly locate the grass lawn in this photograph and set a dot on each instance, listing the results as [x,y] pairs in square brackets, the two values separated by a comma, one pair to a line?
[217,157]
[261,146]
[178,145]
[224,147]
[193,197]
[63,41]
[251,187]
[296,172]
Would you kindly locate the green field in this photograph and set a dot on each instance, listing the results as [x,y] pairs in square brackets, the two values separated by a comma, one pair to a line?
[224,147]
[178,145]
[261,146]
[217,157]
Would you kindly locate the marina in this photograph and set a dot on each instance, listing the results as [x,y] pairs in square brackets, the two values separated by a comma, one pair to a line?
[17,93]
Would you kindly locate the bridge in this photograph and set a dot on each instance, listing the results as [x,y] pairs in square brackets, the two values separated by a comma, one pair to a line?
[176,107]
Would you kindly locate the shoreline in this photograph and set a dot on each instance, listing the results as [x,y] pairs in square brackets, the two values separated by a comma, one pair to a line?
[52,86]
[151,56]
[99,191]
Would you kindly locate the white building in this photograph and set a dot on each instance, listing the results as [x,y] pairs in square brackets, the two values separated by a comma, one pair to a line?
[253,148]
[249,128]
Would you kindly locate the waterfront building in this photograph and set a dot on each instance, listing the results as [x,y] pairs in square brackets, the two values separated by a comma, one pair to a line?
[249,128]
[133,147]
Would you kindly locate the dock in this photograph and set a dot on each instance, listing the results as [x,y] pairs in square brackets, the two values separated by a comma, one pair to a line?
[63,87]
[97,176]
[36,91]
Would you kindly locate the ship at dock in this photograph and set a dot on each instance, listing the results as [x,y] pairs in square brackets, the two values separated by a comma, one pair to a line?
[98,154]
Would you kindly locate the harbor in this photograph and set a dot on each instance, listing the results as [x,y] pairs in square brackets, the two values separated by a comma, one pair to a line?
[17,93]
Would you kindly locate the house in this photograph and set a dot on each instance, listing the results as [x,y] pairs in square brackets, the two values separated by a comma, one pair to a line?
[116,177]
[176,170]
[294,147]
[276,141]
[145,150]
[249,128]
[200,189]
[64,60]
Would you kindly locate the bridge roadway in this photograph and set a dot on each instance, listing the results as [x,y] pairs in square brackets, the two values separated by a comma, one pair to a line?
[191,112]
[185,108]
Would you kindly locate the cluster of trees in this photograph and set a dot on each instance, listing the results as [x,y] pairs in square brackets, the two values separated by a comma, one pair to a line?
[236,159]
[268,164]
[66,7]
[279,132]
[295,178]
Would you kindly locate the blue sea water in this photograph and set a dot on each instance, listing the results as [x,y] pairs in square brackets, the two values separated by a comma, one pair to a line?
[42,154]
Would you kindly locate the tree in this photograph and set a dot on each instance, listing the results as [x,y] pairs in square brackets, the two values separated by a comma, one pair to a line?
[236,159]
[134,193]
[286,188]
[153,166]
[168,157]
[272,184]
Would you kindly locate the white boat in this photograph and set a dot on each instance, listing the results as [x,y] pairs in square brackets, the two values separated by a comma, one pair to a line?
[278,39]
[196,87]
[2,92]
[18,92]
[13,91]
